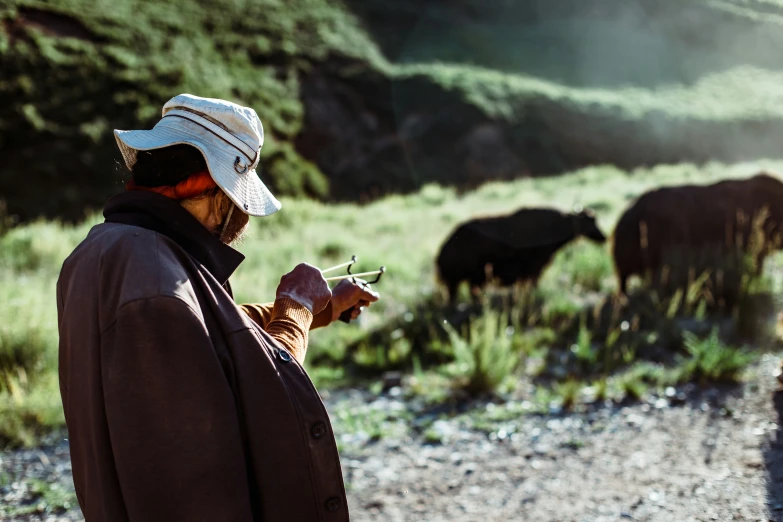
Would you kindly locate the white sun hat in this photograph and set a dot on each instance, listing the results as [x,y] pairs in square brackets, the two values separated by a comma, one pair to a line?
[228,135]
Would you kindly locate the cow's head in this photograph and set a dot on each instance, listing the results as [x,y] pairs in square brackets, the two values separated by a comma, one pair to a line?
[585,225]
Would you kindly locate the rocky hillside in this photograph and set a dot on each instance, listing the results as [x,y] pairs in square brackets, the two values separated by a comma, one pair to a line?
[368,97]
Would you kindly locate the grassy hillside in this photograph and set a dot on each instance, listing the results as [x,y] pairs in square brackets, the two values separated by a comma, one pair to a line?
[602,43]
[363,98]
[402,232]
[73,70]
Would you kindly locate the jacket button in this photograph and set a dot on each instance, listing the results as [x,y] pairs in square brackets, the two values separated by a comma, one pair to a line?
[333,504]
[284,355]
[318,430]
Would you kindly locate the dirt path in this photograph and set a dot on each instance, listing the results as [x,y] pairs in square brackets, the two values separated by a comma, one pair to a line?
[718,456]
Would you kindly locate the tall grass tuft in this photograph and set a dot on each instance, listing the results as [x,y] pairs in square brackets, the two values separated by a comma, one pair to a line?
[568,392]
[484,353]
[712,360]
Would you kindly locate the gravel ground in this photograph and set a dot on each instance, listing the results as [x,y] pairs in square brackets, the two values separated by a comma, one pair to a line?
[700,455]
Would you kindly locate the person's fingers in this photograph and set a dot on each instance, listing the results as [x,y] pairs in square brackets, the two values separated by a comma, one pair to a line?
[365,293]
[306,285]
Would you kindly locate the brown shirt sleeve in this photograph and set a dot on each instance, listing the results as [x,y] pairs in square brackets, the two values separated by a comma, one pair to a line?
[288,322]
[261,314]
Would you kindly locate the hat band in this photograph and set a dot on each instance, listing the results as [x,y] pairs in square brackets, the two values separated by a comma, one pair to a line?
[221,133]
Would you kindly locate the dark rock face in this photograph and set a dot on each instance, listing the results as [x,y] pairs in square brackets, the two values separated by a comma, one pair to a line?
[375,135]
[53,24]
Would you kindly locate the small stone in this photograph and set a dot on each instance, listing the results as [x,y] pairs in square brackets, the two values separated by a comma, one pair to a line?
[391,380]
[678,399]
[635,419]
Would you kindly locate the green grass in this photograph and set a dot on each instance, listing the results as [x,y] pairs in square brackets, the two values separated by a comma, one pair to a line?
[401,232]
[712,360]
[42,498]
[568,391]
[357,424]
[603,43]
[128,57]
[485,354]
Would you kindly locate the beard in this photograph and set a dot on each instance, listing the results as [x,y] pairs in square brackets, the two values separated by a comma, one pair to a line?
[235,230]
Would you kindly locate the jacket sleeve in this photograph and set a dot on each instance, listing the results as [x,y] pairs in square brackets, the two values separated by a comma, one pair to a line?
[171,416]
[287,321]
[261,314]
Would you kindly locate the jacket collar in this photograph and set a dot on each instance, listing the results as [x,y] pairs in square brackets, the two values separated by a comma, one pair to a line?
[166,216]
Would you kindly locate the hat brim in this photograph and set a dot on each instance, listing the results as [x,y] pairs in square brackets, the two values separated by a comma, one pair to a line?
[246,189]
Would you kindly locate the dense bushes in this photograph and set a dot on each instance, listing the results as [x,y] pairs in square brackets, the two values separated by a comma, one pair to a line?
[73,70]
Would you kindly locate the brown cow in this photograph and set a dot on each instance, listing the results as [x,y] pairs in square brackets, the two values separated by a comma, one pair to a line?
[729,216]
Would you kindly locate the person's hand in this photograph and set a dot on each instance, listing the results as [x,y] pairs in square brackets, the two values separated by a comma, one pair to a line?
[305,285]
[352,296]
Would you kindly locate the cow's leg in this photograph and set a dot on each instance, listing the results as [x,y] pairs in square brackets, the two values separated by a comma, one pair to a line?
[477,282]
[452,288]
[476,293]
[623,285]
[760,263]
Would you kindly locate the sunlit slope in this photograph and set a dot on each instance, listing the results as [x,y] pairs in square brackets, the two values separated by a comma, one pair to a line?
[453,92]
[600,43]
[72,70]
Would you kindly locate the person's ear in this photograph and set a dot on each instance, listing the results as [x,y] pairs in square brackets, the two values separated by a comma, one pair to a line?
[220,204]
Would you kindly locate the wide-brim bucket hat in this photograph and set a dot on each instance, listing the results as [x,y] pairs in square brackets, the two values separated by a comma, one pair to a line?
[228,135]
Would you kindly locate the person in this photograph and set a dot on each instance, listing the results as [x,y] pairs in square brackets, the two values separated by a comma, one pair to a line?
[180,404]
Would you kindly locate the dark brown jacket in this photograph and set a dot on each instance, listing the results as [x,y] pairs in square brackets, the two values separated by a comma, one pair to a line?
[178,406]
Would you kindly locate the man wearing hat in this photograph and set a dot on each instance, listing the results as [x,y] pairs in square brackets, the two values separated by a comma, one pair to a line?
[180,404]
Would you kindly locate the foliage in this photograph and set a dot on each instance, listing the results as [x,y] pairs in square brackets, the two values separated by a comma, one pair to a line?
[30,410]
[603,43]
[73,70]
[484,354]
[712,360]
[368,423]
[51,499]
[568,392]
[403,233]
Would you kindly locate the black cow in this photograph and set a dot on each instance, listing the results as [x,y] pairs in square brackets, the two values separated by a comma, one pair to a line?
[511,248]
[728,215]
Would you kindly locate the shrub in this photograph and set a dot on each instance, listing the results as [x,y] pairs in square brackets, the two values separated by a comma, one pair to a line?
[711,360]
[484,354]
[568,392]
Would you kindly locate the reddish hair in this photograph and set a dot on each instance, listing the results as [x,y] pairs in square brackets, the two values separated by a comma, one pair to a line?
[190,187]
